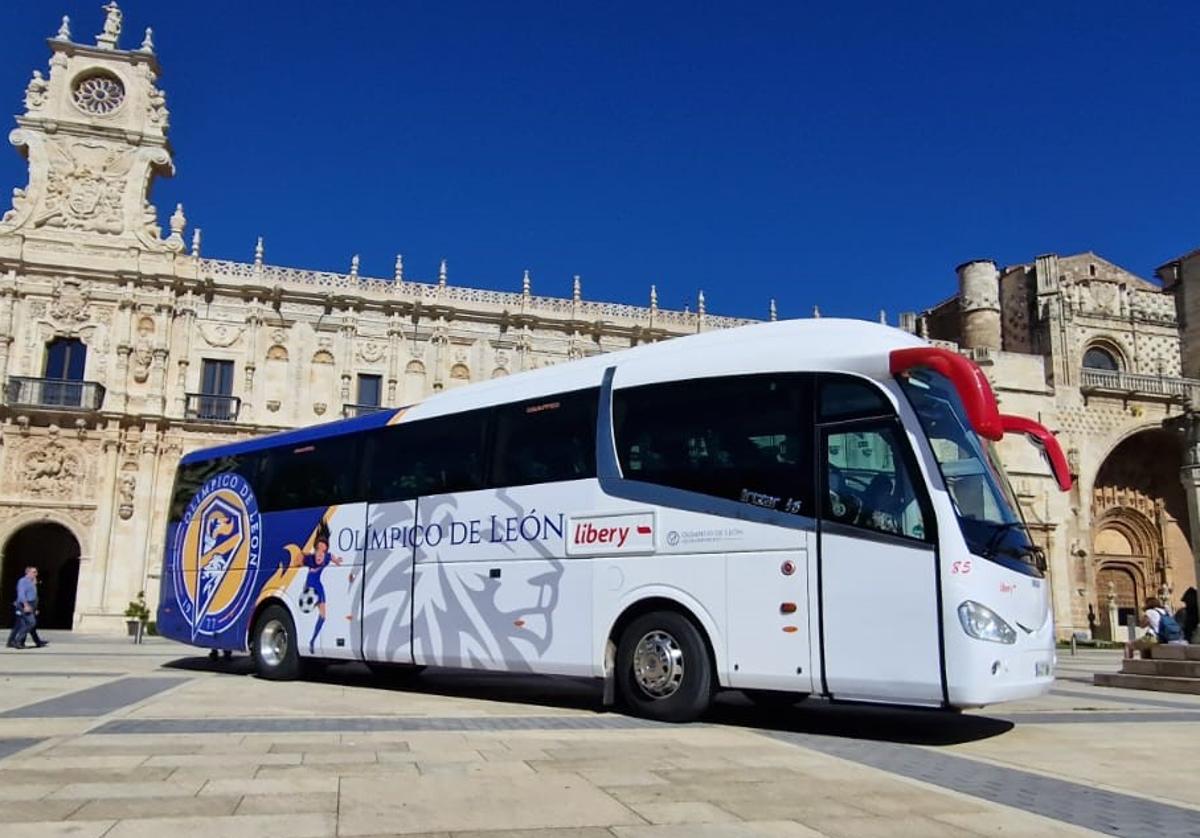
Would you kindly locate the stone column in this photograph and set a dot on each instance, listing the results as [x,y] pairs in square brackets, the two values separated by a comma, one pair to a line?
[1190,475]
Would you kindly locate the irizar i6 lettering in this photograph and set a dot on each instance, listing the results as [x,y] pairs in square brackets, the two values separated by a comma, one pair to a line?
[788,509]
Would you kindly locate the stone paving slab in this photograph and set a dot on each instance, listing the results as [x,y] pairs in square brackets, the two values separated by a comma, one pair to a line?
[99,700]
[499,757]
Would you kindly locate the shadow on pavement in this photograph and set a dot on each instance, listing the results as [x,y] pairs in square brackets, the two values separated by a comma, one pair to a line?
[816,717]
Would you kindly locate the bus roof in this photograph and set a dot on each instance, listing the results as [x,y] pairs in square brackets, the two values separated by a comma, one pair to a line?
[813,344]
[299,436]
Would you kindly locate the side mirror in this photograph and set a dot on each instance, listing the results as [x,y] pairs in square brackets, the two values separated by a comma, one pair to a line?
[1045,442]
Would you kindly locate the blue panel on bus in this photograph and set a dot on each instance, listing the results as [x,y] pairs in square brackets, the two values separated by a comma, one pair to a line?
[300,436]
[220,559]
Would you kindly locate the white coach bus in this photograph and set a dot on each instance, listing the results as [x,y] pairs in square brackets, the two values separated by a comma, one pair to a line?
[789,509]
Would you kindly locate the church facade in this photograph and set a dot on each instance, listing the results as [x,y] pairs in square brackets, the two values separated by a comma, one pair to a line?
[122,348]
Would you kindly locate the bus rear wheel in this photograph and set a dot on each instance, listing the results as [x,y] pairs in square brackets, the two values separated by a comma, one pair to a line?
[663,668]
[273,645]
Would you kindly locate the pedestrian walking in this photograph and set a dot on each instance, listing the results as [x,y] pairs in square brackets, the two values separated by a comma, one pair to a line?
[25,607]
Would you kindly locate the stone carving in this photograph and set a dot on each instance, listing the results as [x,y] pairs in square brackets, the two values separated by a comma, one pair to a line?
[126,489]
[143,350]
[35,92]
[156,103]
[50,470]
[19,205]
[84,187]
[99,94]
[319,408]
[112,27]
[220,335]
[323,356]
[371,351]
[70,302]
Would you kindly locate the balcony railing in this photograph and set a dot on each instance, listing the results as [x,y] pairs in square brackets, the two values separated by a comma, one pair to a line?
[349,411]
[209,408]
[1138,385]
[53,393]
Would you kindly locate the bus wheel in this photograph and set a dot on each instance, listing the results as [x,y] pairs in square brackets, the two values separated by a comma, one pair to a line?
[663,669]
[274,646]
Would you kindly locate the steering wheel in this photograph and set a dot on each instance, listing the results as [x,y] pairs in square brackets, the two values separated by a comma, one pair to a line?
[845,508]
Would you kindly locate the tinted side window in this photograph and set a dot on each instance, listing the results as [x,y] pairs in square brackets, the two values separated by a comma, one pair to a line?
[846,397]
[545,440]
[743,438]
[189,478]
[429,457]
[868,482]
[319,473]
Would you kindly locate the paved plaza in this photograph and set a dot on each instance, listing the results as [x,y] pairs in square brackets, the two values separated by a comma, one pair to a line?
[103,738]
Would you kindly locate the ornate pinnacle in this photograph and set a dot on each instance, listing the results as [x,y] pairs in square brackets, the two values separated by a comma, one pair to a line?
[526,284]
[112,27]
[196,243]
[774,315]
[64,30]
[354,266]
[653,298]
[178,222]
[576,289]
[816,311]
[148,41]
[883,317]
[258,253]
[443,274]
[700,304]
[398,274]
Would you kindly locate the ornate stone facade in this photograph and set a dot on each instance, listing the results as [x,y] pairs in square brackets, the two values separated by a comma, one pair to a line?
[83,259]
[1093,351]
[87,277]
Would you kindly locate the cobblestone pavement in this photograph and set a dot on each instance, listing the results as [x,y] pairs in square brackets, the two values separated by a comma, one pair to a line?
[102,738]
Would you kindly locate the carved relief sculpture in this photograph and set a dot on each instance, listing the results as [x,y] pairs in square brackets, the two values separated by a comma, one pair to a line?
[126,489]
[50,470]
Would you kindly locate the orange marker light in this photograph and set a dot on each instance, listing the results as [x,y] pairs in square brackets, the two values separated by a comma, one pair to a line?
[791,629]
[787,608]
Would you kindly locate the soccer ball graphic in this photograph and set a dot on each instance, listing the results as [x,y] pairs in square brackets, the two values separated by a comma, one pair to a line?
[308,601]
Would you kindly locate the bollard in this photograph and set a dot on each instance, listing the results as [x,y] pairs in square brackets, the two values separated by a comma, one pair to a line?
[1074,640]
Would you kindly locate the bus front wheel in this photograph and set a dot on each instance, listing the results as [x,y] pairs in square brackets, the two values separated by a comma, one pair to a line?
[276,657]
[663,668]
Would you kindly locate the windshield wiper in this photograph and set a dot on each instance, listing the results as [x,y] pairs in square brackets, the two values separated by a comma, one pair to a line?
[989,549]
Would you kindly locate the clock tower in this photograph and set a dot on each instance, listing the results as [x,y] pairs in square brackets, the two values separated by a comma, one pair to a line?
[95,134]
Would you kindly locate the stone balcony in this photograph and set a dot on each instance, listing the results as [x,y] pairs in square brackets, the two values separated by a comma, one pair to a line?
[204,407]
[54,394]
[1139,387]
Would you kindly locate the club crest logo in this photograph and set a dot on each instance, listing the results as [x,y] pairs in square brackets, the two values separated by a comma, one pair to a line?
[216,554]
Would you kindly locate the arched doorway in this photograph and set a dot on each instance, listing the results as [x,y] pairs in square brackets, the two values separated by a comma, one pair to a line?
[53,550]
[1140,536]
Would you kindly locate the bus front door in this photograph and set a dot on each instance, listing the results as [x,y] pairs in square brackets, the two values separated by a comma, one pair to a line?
[877,571]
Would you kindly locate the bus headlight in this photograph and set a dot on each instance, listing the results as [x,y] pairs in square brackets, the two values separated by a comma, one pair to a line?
[983,623]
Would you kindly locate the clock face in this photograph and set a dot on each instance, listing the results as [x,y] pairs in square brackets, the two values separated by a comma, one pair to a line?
[98,93]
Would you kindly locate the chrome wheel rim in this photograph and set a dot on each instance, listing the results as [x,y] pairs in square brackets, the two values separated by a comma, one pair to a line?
[658,664]
[273,643]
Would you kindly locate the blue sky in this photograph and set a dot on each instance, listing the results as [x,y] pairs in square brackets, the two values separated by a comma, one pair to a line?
[846,155]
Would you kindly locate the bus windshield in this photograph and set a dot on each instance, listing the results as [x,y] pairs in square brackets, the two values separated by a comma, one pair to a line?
[983,499]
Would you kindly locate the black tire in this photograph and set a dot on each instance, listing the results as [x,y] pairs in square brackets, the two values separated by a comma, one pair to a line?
[676,683]
[273,645]
[774,699]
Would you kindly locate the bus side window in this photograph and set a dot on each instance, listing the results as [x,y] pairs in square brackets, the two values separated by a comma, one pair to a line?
[846,397]
[310,474]
[428,457]
[190,478]
[868,484]
[742,438]
[546,440]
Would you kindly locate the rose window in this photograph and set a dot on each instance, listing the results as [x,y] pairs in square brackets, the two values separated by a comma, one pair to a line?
[99,94]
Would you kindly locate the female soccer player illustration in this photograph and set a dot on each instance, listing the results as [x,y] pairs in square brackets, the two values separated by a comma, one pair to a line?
[314,590]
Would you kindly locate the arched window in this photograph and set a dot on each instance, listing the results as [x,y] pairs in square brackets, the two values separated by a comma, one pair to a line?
[1097,358]
[65,359]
